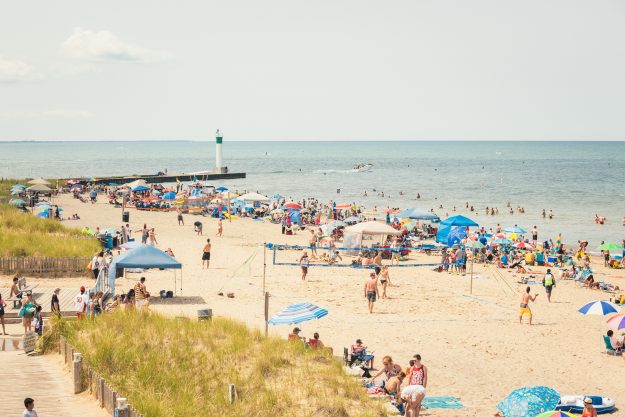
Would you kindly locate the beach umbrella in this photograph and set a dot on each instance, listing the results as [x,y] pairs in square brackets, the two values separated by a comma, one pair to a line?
[293,206]
[599,308]
[298,313]
[476,244]
[17,202]
[417,213]
[39,188]
[44,207]
[44,215]
[109,231]
[220,189]
[352,219]
[253,197]
[555,414]
[498,236]
[140,188]
[277,211]
[72,182]
[610,246]
[17,192]
[458,220]
[616,322]
[513,236]
[75,188]
[514,229]
[372,228]
[39,181]
[523,245]
[529,401]
[169,195]
[16,186]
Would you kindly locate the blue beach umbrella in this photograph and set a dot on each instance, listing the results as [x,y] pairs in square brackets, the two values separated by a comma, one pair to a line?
[529,402]
[109,231]
[17,202]
[169,195]
[221,189]
[18,187]
[599,308]
[44,215]
[17,191]
[298,313]
[514,229]
[417,213]
[140,188]
[503,241]
[458,221]
[44,207]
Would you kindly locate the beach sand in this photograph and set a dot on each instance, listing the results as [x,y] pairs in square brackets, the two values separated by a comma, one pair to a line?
[473,345]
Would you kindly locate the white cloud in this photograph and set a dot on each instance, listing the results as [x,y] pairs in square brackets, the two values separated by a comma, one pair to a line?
[106,46]
[16,71]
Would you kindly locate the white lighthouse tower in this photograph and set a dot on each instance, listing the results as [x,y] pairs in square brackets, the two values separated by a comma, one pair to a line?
[219,160]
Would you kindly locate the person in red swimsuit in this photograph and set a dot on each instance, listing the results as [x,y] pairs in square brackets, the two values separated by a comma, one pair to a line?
[589,409]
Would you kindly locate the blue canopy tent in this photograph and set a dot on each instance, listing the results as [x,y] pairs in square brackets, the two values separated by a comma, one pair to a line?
[453,230]
[143,256]
[458,221]
[416,213]
[169,195]
[140,188]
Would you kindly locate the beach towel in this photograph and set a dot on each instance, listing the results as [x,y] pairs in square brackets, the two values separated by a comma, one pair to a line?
[442,402]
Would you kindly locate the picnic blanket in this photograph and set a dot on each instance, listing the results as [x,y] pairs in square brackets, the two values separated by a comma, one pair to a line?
[442,402]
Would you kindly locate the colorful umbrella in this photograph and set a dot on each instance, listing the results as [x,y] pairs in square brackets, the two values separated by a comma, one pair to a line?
[514,229]
[523,245]
[169,195]
[475,244]
[298,313]
[502,241]
[616,322]
[599,308]
[529,402]
[610,246]
[555,414]
[293,206]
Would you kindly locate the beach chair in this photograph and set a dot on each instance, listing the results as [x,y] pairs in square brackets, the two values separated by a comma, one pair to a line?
[359,359]
[609,349]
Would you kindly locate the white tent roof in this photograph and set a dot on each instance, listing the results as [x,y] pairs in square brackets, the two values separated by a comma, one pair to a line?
[372,228]
[136,183]
[253,197]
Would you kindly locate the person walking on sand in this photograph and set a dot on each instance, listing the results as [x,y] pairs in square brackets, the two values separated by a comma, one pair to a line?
[152,236]
[206,253]
[180,218]
[220,228]
[303,262]
[549,282]
[385,279]
[55,305]
[80,303]
[525,307]
[371,290]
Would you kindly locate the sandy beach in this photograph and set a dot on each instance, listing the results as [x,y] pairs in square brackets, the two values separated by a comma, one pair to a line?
[473,345]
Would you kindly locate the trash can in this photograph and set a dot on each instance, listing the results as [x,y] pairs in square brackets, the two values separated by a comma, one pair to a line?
[126,216]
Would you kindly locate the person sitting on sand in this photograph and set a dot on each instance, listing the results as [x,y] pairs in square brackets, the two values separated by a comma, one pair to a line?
[294,335]
[589,409]
[616,342]
[333,257]
[315,343]
[170,252]
[389,370]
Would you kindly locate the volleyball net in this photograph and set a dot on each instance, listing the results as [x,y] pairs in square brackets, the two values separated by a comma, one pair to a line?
[357,257]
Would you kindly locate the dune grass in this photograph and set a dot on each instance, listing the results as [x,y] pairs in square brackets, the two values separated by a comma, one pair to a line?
[22,234]
[179,367]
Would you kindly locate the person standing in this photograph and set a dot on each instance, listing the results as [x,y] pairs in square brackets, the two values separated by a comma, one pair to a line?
[414,393]
[549,282]
[152,236]
[525,308]
[220,228]
[534,236]
[55,305]
[3,305]
[313,242]
[80,303]
[145,234]
[28,310]
[371,290]
[303,262]
[180,218]
[140,293]
[95,264]
[29,405]
[206,253]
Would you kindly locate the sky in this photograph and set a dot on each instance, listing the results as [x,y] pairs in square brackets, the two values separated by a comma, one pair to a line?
[303,70]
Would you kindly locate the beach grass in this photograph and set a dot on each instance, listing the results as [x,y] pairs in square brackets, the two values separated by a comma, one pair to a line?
[22,234]
[180,367]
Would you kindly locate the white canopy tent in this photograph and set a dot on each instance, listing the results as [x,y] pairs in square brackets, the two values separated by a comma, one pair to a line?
[354,235]
[253,197]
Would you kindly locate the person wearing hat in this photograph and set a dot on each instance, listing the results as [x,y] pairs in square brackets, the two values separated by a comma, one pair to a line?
[589,409]
[55,305]
[80,302]
[294,335]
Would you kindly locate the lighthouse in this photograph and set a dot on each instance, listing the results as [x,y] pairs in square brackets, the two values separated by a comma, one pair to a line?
[219,160]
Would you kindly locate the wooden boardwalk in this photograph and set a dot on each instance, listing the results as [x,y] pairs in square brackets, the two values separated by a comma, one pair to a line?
[43,296]
[44,379]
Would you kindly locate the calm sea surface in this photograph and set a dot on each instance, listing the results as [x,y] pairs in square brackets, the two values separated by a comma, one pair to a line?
[574,179]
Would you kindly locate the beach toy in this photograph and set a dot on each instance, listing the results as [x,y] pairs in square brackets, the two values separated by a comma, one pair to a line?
[599,308]
[529,401]
[610,246]
[575,403]
[555,414]
[298,313]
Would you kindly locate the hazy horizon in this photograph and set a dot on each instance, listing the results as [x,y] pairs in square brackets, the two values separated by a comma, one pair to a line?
[284,70]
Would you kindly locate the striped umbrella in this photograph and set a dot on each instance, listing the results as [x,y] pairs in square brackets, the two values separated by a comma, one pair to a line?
[298,313]
[555,414]
[616,322]
[599,308]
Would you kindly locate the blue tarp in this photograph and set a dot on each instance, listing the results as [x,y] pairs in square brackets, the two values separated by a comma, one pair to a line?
[143,256]
[458,221]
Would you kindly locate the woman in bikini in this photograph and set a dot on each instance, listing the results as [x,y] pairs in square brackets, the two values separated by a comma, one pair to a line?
[385,280]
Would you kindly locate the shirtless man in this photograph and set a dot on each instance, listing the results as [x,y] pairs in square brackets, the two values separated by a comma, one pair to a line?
[525,309]
[206,254]
[371,290]
[313,242]
[377,260]
[394,383]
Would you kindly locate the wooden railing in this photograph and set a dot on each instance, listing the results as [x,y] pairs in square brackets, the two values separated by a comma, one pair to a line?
[43,266]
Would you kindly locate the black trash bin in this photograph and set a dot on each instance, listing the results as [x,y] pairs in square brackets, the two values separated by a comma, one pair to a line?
[126,216]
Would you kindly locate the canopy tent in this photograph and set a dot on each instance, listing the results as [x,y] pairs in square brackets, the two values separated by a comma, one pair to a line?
[450,236]
[39,181]
[170,195]
[136,183]
[39,188]
[140,188]
[143,256]
[353,235]
[417,213]
[253,197]
[458,220]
